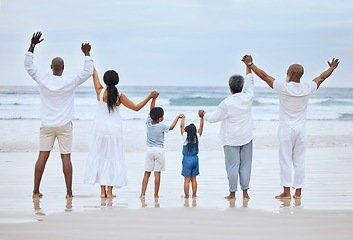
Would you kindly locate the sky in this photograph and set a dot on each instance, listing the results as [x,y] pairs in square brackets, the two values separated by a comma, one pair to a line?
[179,43]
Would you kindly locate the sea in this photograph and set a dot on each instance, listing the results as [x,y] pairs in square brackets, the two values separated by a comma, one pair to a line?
[19,102]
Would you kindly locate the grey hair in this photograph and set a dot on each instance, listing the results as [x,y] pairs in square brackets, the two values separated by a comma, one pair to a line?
[236,83]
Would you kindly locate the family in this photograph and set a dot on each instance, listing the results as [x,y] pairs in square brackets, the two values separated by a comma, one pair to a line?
[106,162]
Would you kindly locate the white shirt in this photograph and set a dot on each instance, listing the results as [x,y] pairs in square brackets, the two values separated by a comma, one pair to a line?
[235,114]
[57,92]
[293,101]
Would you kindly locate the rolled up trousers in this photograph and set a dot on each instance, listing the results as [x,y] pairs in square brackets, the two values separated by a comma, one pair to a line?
[238,160]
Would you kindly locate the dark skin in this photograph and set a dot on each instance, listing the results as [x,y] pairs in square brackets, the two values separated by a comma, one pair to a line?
[44,155]
[294,73]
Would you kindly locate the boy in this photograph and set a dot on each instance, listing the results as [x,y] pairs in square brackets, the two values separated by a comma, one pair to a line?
[155,159]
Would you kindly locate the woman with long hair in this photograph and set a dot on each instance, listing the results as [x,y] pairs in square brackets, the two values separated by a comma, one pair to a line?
[106,162]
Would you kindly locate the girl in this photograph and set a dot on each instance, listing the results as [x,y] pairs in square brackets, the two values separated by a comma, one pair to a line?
[106,163]
[190,159]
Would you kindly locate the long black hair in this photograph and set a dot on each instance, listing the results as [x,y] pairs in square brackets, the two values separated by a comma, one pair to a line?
[111,78]
[191,137]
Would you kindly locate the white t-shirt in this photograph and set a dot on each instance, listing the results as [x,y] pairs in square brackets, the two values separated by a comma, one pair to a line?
[185,135]
[57,92]
[293,101]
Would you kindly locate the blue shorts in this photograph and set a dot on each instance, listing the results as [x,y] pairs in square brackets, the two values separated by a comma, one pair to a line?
[190,166]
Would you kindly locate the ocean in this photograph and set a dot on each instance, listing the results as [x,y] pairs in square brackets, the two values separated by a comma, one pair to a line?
[17,102]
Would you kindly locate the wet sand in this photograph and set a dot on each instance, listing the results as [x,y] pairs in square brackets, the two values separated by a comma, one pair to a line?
[324,212]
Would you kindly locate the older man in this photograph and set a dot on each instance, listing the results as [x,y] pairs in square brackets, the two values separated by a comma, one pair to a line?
[293,102]
[236,131]
[57,109]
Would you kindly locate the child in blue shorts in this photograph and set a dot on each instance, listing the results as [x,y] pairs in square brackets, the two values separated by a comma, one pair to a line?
[190,162]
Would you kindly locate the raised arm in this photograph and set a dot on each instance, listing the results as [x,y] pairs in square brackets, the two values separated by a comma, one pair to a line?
[35,40]
[201,126]
[87,70]
[333,65]
[97,85]
[182,125]
[129,104]
[31,68]
[176,121]
[247,59]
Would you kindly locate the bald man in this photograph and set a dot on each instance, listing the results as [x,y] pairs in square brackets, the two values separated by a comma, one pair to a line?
[293,102]
[56,110]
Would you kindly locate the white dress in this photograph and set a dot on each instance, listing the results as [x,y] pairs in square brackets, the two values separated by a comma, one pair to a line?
[106,162]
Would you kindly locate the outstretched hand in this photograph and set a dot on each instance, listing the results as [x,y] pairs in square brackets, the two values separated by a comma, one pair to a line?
[181,116]
[246,59]
[86,48]
[334,63]
[36,38]
[154,94]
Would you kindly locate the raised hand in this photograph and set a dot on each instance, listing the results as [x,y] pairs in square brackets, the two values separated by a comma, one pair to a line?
[201,113]
[86,48]
[334,63]
[181,116]
[36,38]
[154,94]
[246,59]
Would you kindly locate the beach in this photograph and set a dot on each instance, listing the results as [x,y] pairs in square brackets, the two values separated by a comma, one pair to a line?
[324,212]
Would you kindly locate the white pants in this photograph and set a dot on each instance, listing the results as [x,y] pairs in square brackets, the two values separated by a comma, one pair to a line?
[155,159]
[292,149]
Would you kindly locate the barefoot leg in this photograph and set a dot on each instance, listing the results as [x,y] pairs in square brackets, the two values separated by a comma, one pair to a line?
[38,172]
[110,192]
[186,186]
[67,169]
[157,182]
[285,194]
[194,186]
[144,183]
[231,196]
[298,193]
[103,192]
[246,195]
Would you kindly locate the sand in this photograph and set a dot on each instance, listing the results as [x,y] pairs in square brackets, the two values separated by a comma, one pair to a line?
[324,212]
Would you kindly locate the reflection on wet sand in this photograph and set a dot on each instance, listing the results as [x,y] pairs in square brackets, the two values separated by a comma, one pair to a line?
[187,202]
[286,203]
[36,204]
[106,202]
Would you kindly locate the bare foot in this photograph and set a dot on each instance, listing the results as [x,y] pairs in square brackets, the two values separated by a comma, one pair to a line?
[103,196]
[37,195]
[231,196]
[156,196]
[283,196]
[69,196]
[111,195]
[186,196]
[297,197]
[142,197]
[194,196]
[246,195]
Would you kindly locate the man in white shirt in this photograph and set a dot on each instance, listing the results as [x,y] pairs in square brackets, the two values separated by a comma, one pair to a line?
[293,102]
[56,110]
[236,131]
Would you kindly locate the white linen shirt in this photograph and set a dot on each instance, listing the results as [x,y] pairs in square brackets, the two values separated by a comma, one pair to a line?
[57,92]
[293,101]
[235,113]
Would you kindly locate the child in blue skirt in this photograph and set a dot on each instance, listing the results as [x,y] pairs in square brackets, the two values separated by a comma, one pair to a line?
[191,137]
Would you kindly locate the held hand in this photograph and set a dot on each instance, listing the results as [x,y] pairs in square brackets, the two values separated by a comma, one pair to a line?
[154,94]
[334,63]
[201,113]
[36,38]
[181,116]
[247,59]
[86,48]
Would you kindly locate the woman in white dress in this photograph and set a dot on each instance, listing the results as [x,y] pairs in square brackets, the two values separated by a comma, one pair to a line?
[106,163]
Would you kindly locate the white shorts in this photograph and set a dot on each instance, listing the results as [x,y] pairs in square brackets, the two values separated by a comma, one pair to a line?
[155,159]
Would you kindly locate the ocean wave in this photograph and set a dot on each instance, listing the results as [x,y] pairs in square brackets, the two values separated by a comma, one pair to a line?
[330,102]
[346,117]
[195,101]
